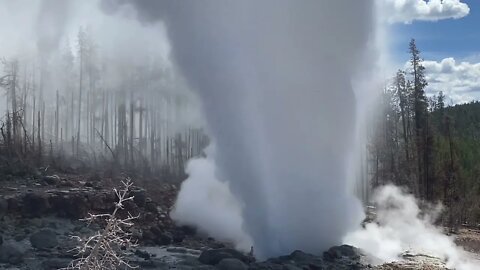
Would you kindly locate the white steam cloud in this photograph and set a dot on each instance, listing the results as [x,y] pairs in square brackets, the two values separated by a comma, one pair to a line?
[274,78]
[50,24]
[403,227]
[208,204]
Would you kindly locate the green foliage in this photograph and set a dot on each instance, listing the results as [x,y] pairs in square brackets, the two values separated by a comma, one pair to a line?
[431,149]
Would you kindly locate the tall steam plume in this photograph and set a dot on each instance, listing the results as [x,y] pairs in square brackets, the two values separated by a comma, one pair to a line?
[274,77]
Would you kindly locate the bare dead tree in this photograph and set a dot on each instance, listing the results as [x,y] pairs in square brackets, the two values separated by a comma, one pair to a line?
[107,249]
[114,156]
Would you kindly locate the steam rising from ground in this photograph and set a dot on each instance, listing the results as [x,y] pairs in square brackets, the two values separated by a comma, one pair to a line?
[403,227]
[208,204]
[274,78]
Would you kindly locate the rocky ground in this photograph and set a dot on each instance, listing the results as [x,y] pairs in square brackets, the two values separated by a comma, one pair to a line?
[469,239]
[38,216]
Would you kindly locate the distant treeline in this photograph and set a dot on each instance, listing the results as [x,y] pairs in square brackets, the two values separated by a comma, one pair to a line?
[78,105]
[431,149]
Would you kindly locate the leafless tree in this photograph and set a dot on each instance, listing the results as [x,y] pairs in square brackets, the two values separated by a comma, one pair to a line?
[108,248]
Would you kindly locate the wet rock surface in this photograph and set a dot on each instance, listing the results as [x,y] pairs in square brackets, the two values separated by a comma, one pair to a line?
[39,216]
[11,253]
[231,264]
[341,257]
[44,239]
[224,259]
[214,256]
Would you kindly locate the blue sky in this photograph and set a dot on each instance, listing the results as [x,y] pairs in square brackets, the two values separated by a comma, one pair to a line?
[458,38]
[448,34]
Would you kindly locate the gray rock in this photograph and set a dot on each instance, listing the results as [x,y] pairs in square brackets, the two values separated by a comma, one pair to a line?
[291,267]
[205,267]
[151,207]
[297,258]
[11,254]
[139,196]
[44,239]
[164,239]
[35,204]
[100,202]
[151,264]
[51,179]
[55,263]
[339,258]
[72,206]
[300,256]
[19,237]
[343,251]
[266,266]
[231,264]
[184,267]
[142,254]
[36,222]
[3,207]
[214,256]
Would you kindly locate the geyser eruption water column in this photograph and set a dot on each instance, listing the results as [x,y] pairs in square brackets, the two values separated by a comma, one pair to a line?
[275,77]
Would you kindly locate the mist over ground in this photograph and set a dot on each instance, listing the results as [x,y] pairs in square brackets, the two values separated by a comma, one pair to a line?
[402,227]
[96,81]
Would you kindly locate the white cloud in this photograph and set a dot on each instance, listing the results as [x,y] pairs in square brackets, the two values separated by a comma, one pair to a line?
[407,11]
[460,81]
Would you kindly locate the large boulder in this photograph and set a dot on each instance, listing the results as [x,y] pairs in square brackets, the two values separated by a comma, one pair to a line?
[297,259]
[300,256]
[214,256]
[44,239]
[231,264]
[342,252]
[51,180]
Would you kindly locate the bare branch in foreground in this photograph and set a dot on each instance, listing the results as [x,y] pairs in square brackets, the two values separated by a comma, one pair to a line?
[107,249]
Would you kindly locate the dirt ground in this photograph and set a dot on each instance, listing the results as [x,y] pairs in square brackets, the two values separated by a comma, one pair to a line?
[469,239]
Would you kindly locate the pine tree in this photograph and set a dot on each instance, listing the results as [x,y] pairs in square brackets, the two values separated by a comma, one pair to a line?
[421,118]
[402,93]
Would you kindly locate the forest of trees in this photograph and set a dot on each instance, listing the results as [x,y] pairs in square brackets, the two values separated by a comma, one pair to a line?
[80,105]
[430,148]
